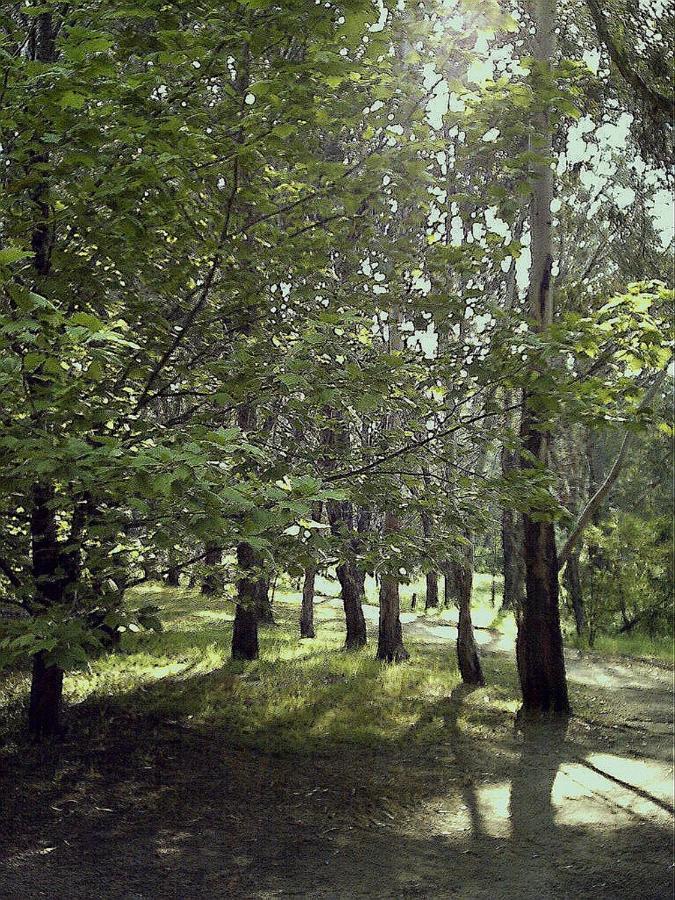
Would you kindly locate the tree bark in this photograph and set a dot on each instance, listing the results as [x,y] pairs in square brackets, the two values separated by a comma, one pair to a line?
[390,636]
[539,649]
[307,609]
[572,580]
[467,651]
[351,581]
[46,689]
[512,541]
[46,692]
[448,586]
[351,577]
[431,598]
[212,583]
[251,589]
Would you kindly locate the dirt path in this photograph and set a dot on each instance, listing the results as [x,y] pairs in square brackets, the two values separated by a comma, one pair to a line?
[583,810]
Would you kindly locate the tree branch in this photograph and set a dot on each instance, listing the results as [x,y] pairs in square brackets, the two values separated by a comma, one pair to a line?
[609,481]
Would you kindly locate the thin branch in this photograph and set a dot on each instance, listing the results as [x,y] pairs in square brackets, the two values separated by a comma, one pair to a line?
[604,489]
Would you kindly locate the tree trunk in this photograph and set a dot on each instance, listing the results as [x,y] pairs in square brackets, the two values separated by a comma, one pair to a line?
[539,650]
[390,637]
[351,582]
[431,600]
[572,581]
[265,612]
[512,542]
[448,586]
[213,582]
[307,610]
[467,651]
[251,595]
[46,691]
[47,680]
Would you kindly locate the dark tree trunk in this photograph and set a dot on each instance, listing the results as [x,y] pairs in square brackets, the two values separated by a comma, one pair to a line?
[265,611]
[572,580]
[46,691]
[251,594]
[352,578]
[245,634]
[47,680]
[351,581]
[512,542]
[448,586]
[431,599]
[213,582]
[539,648]
[467,651]
[390,636]
[307,610]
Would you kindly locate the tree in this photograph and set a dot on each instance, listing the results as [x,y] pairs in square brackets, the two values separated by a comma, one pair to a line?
[539,649]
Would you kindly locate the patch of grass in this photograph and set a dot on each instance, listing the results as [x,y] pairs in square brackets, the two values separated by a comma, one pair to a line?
[634,645]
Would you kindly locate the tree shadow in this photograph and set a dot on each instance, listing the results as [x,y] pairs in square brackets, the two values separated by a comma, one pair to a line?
[138,806]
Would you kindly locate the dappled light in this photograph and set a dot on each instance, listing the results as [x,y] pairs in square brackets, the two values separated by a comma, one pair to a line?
[336,380]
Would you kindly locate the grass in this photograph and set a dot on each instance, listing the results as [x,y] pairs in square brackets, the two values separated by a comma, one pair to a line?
[300,695]
[636,645]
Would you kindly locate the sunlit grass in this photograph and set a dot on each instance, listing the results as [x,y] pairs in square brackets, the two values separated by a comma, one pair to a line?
[300,695]
[635,645]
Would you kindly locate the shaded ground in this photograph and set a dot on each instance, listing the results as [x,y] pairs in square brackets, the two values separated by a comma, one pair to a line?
[353,784]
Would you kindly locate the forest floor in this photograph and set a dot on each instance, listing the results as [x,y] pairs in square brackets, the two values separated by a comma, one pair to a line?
[320,774]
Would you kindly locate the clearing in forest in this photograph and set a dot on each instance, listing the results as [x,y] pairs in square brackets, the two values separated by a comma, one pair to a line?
[316,773]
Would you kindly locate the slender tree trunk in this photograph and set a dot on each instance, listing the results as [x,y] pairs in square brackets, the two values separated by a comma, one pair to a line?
[572,579]
[512,542]
[539,649]
[265,611]
[307,610]
[467,651]
[431,597]
[47,679]
[448,586]
[390,637]
[350,576]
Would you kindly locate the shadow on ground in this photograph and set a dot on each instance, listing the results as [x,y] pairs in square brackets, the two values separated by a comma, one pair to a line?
[138,806]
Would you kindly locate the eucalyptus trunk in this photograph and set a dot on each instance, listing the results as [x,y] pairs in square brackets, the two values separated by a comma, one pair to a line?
[539,648]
